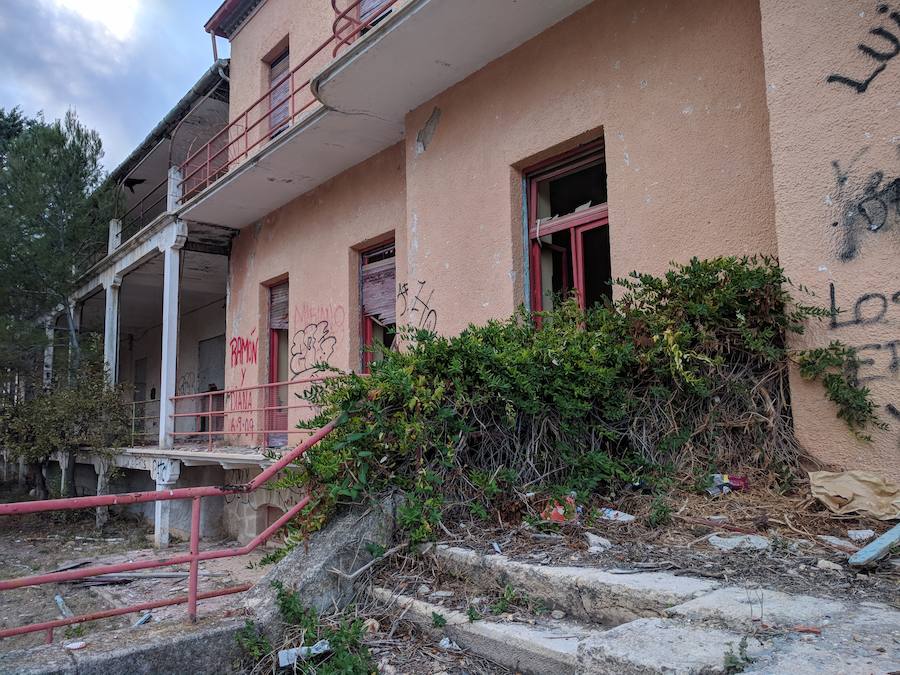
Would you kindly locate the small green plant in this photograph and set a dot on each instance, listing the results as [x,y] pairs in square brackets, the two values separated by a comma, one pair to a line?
[473,614]
[660,512]
[438,620]
[252,642]
[508,597]
[374,549]
[737,662]
[74,631]
[347,656]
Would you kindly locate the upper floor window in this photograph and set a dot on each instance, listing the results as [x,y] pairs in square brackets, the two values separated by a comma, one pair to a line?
[279,96]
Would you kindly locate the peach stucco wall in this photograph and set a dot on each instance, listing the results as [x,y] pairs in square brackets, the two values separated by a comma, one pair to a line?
[304,23]
[313,243]
[836,158]
[677,91]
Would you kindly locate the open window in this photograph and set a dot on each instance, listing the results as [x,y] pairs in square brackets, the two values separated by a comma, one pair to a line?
[379,302]
[568,228]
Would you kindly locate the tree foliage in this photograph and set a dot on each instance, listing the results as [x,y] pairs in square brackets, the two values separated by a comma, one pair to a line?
[54,215]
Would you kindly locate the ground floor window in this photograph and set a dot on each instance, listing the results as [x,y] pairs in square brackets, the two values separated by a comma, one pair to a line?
[276,405]
[568,229]
[378,300]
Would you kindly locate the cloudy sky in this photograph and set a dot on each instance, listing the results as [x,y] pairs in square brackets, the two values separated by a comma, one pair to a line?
[121,64]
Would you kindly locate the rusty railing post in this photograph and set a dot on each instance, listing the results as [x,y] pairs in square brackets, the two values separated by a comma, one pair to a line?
[195,563]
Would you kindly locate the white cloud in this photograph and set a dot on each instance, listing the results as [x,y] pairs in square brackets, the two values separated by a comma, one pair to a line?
[116,16]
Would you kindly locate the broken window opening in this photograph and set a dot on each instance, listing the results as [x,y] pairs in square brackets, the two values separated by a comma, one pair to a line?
[378,303]
[277,399]
[569,230]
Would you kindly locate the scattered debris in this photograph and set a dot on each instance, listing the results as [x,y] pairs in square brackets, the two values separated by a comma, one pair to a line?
[839,543]
[612,514]
[288,657]
[80,644]
[441,594]
[424,589]
[596,543]
[877,550]
[828,565]
[558,614]
[723,483]
[144,619]
[555,512]
[811,630]
[718,519]
[63,608]
[496,547]
[860,535]
[752,541]
[371,625]
[448,644]
[856,492]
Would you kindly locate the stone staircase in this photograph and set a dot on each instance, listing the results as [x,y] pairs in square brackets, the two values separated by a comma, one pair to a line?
[655,622]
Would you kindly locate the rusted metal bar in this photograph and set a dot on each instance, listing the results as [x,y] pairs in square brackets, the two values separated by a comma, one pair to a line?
[195,561]
[119,611]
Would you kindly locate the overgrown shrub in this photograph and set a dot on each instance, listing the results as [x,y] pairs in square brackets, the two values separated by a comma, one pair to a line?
[87,412]
[684,373]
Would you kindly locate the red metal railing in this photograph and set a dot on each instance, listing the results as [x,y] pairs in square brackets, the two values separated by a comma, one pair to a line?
[193,558]
[273,112]
[145,211]
[263,414]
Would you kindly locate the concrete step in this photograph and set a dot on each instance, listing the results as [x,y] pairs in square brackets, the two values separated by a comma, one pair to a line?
[549,647]
[586,593]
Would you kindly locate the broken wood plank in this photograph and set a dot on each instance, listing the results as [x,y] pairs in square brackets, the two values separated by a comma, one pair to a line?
[878,549]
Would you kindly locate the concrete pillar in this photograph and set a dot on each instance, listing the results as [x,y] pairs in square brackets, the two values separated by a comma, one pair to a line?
[111,330]
[115,235]
[102,467]
[48,353]
[64,471]
[165,472]
[173,197]
[171,284]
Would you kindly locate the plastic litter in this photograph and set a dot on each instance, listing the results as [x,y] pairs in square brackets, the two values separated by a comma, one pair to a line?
[288,657]
[81,644]
[144,619]
[612,514]
[723,483]
[448,644]
[596,543]
[856,492]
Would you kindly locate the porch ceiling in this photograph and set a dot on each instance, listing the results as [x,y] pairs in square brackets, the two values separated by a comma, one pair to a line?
[416,53]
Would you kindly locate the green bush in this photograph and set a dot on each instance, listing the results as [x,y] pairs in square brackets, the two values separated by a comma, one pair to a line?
[686,371]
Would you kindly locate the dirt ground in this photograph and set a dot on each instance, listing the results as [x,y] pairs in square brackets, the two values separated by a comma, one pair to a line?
[40,543]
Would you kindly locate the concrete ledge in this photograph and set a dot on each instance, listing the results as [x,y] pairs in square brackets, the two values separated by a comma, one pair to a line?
[582,592]
[651,646]
[550,648]
[209,646]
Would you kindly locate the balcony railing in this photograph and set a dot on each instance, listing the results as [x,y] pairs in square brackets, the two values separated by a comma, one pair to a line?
[193,558]
[145,211]
[260,415]
[275,111]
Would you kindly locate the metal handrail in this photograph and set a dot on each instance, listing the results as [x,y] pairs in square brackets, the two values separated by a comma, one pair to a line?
[248,407]
[207,170]
[194,557]
[144,212]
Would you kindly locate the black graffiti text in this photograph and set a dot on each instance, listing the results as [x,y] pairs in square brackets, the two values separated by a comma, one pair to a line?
[417,311]
[881,57]
[868,309]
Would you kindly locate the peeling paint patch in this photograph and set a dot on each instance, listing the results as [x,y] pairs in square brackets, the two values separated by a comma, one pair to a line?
[426,133]
[687,110]
[643,84]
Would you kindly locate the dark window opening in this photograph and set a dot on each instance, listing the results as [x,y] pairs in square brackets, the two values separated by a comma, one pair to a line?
[569,230]
[378,302]
[276,417]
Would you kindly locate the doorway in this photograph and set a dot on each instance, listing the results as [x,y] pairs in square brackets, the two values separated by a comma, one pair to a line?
[276,411]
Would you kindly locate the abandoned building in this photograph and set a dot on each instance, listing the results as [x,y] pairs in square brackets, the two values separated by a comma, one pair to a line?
[459,158]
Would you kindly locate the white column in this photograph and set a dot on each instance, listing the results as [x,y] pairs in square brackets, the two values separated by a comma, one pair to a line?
[171,284]
[101,466]
[166,472]
[111,329]
[173,198]
[48,353]
[115,235]
[63,473]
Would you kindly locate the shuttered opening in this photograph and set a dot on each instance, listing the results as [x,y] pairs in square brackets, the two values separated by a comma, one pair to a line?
[378,286]
[278,99]
[278,307]
[369,7]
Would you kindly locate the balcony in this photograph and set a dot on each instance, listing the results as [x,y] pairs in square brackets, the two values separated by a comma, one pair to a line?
[348,99]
